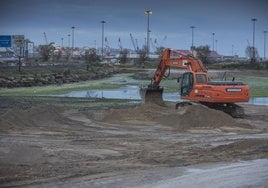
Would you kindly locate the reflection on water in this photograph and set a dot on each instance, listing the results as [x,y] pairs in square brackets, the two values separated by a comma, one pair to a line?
[132,92]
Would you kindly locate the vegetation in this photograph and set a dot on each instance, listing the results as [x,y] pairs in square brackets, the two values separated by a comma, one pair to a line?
[252,53]
[91,57]
[203,53]
[46,51]
[258,85]
[160,50]
[240,65]
[107,83]
[142,57]
[123,56]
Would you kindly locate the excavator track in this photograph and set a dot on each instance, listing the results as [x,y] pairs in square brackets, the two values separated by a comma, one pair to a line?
[183,104]
[232,109]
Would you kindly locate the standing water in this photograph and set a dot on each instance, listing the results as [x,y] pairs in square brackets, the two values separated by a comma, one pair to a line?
[132,93]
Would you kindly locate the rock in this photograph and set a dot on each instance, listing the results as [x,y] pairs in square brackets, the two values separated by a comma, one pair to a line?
[55,78]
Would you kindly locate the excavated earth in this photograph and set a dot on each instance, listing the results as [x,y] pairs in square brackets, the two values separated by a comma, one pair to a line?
[49,146]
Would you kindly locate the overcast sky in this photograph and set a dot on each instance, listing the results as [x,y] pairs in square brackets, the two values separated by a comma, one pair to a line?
[230,20]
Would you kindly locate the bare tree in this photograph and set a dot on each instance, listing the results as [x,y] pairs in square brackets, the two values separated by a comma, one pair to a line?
[252,53]
[160,50]
[46,51]
[203,53]
[91,57]
[142,56]
[123,56]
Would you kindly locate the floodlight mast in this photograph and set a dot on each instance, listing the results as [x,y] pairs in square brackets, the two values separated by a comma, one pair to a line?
[254,55]
[148,12]
[102,38]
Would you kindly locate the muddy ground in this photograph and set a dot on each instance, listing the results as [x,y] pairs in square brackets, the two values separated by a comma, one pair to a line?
[51,146]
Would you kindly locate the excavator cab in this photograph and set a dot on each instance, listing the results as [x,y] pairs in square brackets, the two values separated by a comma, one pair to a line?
[187,82]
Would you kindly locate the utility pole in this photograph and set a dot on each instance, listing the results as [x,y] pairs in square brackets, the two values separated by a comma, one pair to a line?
[192,47]
[45,36]
[73,40]
[254,58]
[69,40]
[148,12]
[264,51]
[120,45]
[213,34]
[102,38]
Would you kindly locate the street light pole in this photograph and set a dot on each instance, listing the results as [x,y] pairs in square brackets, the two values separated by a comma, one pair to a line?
[264,52]
[102,38]
[148,12]
[213,34]
[73,40]
[69,40]
[254,20]
[192,47]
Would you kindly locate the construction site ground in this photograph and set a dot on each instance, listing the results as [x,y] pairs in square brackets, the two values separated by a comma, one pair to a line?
[136,146]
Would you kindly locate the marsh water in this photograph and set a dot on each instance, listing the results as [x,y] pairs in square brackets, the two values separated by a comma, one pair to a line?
[132,92]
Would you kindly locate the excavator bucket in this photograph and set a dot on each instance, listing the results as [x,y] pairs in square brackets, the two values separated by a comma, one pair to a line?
[152,95]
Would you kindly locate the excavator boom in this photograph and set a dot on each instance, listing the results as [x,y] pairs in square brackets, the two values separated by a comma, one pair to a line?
[175,58]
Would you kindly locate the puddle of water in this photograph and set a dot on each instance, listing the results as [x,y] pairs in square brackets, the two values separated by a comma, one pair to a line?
[242,174]
[258,101]
[132,93]
[128,92]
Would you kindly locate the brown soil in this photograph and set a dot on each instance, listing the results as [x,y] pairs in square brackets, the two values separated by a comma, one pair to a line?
[48,145]
[182,119]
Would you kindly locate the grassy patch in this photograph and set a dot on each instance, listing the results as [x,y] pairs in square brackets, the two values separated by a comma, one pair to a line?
[170,85]
[258,86]
[108,83]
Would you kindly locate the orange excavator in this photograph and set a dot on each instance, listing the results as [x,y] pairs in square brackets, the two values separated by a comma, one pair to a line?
[196,85]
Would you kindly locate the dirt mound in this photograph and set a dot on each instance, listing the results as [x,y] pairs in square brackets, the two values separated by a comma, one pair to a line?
[53,118]
[148,112]
[189,117]
[37,117]
[201,116]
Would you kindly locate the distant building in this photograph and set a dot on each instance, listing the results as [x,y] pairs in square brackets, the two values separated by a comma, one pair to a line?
[7,55]
[215,55]
[212,56]
[7,52]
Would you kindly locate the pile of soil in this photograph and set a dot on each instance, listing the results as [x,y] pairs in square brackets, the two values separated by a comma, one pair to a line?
[32,118]
[201,116]
[182,119]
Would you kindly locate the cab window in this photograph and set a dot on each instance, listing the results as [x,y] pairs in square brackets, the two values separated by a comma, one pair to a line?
[201,78]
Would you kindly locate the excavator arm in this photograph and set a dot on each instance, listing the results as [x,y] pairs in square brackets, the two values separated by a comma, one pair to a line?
[175,58]
[170,58]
